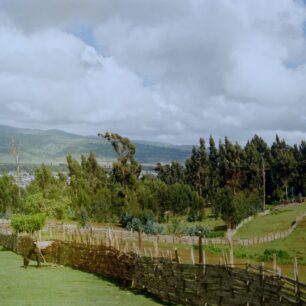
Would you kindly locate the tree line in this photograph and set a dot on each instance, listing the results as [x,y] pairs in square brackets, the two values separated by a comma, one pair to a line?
[234,181]
[237,181]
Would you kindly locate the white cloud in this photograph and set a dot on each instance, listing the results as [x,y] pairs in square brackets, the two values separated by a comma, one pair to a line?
[163,70]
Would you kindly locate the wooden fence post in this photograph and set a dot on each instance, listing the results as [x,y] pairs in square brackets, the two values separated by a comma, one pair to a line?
[150,251]
[200,250]
[177,258]
[274,264]
[139,238]
[192,255]
[262,271]
[204,262]
[296,278]
[156,251]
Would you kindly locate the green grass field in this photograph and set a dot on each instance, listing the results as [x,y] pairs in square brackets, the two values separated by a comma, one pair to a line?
[59,286]
[295,244]
[276,221]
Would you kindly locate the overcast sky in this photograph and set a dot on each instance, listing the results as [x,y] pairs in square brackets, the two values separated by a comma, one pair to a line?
[163,70]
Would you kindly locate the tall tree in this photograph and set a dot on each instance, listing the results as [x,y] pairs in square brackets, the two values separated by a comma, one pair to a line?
[231,164]
[197,169]
[284,164]
[9,198]
[213,160]
[126,169]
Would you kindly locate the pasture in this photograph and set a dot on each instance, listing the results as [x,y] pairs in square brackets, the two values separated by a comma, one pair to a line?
[57,285]
[275,221]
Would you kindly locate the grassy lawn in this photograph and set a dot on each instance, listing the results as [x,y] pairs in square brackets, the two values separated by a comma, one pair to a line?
[58,286]
[276,221]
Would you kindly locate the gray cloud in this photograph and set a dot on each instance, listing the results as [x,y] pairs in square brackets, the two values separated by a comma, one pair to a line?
[169,70]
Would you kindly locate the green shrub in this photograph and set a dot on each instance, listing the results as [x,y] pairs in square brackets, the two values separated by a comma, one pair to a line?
[153,228]
[83,218]
[198,230]
[268,255]
[28,223]
[125,219]
[135,224]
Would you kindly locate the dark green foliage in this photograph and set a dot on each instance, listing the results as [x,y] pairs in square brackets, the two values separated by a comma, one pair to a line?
[89,189]
[28,223]
[47,194]
[126,170]
[9,199]
[197,169]
[83,218]
[125,219]
[235,207]
[171,173]
[284,166]
[281,255]
[235,181]
[144,223]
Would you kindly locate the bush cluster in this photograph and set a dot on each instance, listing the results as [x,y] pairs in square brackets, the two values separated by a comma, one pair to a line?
[144,223]
[268,255]
[28,223]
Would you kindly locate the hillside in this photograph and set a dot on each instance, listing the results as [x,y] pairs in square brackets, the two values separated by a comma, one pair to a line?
[52,146]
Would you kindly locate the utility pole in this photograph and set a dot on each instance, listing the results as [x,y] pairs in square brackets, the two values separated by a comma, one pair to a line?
[15,153]
[263,184]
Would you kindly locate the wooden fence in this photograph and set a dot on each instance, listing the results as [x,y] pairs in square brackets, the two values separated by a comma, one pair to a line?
[172,281]
[66,231]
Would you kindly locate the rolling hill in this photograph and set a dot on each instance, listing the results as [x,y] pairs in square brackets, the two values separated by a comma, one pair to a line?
[52,147]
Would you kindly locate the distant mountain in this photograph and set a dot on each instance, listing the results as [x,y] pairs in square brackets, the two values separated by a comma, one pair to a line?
[52,146]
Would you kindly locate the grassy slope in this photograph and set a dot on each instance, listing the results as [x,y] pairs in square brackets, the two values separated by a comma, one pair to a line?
[58,286]
[52,146]
[274,222]
[295,244]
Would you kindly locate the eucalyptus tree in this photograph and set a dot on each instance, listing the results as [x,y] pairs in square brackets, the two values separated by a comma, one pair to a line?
[126,169]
